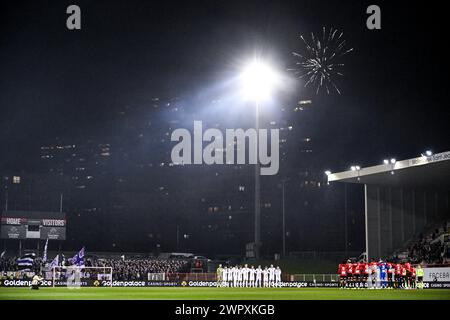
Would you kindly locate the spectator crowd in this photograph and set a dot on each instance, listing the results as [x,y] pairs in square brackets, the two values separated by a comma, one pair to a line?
[432,248]
[132,269]
[137,269]
[10,264]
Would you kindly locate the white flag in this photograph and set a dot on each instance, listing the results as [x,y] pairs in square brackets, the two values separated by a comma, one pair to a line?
[55,262]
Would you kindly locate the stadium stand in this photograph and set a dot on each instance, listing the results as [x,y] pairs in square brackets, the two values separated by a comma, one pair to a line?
[431,248]
[138,268]
[402,199]
[134,268]
[10,264]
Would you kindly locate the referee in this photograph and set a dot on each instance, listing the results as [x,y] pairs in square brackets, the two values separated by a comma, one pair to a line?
[219,275]
[419,274]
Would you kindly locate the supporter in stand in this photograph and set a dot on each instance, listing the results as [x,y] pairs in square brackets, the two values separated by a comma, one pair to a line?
[137,269]
[124,270]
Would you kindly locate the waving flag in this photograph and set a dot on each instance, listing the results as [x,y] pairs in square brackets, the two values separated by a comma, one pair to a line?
[44,257]
[78,259]
[26,261]
[55,262]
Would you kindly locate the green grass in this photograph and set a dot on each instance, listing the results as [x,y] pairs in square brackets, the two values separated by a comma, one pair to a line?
[180,293]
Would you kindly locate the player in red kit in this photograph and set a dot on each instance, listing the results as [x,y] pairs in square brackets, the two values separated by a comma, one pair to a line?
[366,274]
[404,277]
[356,274]
[398,275]
[408,268]
[342,271]
[362,278]
[390,275]
[349,270]
[413,278]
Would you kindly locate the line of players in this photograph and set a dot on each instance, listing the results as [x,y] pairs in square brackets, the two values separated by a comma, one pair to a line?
[251,277]
[380,275]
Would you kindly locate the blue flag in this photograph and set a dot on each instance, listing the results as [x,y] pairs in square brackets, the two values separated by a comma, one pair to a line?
[78,259]
[26,261]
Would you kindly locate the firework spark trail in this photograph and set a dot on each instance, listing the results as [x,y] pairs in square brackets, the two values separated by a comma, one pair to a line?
[319,63]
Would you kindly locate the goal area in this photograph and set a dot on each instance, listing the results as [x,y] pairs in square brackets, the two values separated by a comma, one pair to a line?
[76,274]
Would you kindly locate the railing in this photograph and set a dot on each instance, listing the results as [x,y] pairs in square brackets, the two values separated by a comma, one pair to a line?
[314,277]
[190,277]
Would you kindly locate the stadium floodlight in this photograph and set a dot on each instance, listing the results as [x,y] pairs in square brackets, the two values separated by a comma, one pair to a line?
[386,161]
[327,172]
[393,160]
[358,167]
[353,168]
[258,80]
[429,153]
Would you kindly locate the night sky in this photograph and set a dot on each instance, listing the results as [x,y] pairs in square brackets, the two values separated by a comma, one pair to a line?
[56,82]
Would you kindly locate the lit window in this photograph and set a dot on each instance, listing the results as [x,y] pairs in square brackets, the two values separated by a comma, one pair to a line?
[16,179]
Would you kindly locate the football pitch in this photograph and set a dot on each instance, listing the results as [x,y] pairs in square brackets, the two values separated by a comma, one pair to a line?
[219,294]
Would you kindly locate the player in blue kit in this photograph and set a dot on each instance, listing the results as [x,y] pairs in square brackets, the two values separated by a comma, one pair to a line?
[383,273]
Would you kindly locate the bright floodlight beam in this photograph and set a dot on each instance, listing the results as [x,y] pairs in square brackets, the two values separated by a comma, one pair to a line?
[258,80]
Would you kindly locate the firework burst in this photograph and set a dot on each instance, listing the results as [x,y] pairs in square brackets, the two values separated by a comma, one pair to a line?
[320,63]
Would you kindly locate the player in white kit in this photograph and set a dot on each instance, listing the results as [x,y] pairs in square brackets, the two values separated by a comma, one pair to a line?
[378,278]
[278,277]
[258,275]
[240,277]
[265,273]
[235,276]
[245,274]
[271,276]
[251,276]
[225,277]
